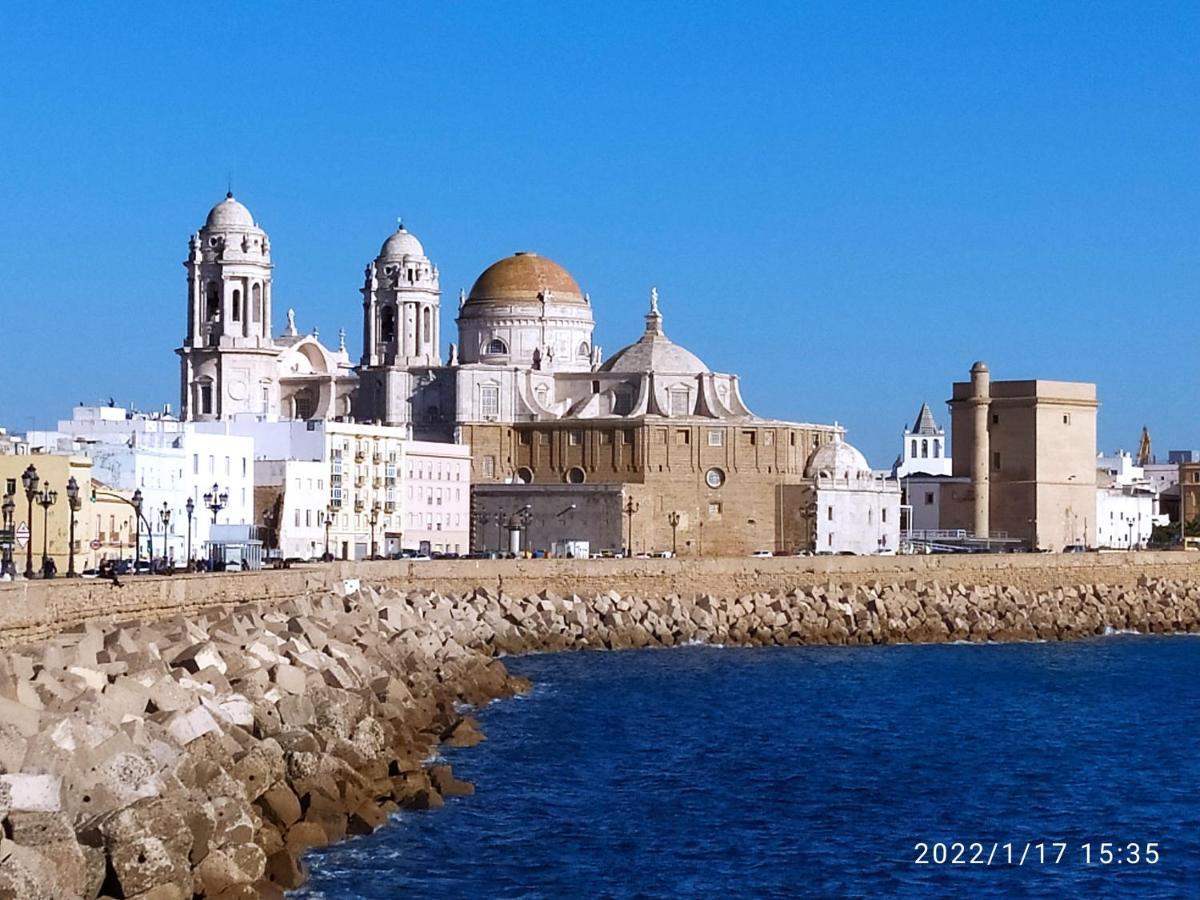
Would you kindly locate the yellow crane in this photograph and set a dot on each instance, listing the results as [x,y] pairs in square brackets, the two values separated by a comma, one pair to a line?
[1143,454]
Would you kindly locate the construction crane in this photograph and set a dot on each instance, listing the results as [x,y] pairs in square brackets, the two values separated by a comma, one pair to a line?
[1143,454]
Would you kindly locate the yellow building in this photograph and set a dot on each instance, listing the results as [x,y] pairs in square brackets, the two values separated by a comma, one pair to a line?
[46,529]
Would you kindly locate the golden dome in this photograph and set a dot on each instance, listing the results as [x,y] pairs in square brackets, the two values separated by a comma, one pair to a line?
[522,278]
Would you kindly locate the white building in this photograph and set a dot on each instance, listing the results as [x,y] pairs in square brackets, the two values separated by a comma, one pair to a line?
[168,461]
[1127,502]
[856,510]
[923,451]
[378,492]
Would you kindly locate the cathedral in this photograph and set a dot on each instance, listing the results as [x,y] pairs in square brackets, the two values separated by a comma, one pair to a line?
[648,437]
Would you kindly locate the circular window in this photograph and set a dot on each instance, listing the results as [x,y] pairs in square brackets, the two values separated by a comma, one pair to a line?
[524,475]
[714,478]
[576,475]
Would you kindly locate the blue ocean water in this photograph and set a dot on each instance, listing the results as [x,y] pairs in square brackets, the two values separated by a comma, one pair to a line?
[816,771]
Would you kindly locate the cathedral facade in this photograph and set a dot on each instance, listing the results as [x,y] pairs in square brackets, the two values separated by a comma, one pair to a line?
[651,427]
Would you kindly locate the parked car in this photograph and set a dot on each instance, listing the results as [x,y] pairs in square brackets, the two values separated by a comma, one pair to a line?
[762,554]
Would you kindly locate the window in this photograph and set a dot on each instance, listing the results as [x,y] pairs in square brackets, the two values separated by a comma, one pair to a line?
[679,405]
[206,406]
[995,418]
[237,306]
[244,471]
[683,437]
[627,437]
[297,518]
[227,469]
[929,498]
[496,347]
[212,302]
[996,460]
[913,454]
[606,437]
[716,438]
[195,463]
[576,475]
[937,449]
[524,438]
[575,438]
[714,509]
[489,401]
[883,514]
[212,465]
[489,467]
[427,328]
[256,303]
[622,401]
[768,439]
[870,516]
[924,449]
[749,437]
[387,325]
[829,513]
[1066,418]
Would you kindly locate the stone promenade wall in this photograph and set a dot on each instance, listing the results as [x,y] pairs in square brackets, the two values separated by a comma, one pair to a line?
[191,753]
[31,610]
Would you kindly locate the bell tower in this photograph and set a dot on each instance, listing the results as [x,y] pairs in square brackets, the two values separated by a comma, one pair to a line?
[228,354]
[401,306]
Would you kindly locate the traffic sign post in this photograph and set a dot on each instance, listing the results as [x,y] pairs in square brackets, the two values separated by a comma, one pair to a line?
[22,535]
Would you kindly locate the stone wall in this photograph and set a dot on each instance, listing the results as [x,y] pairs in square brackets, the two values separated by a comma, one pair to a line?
[202,750]
[29,610]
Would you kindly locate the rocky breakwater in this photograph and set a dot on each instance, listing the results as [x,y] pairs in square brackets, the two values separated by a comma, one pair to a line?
[205,755]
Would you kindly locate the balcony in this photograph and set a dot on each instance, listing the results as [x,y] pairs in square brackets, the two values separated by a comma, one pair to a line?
[359,504]
[389,507]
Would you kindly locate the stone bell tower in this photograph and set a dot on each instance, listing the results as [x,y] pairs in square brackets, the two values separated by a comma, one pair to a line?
[228,357]
[401,306]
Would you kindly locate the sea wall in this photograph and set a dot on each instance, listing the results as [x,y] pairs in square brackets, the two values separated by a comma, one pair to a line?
[203,754]
[36,609]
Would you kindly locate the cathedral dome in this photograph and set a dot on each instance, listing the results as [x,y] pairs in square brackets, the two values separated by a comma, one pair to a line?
[654,352]
[523,278]
[402,243]
[838,459]
[229,213]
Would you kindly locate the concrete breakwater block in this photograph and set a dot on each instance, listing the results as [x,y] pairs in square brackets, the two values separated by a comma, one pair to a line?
[203,755]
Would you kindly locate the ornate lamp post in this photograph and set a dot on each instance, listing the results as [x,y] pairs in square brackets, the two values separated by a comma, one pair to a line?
[164,516]
[216,500]
[673,520]
[46,499]
[630,509]
[499,532]
[190,506]
[524,517]
[374,520]
[7,508]
[74,503]
[29,480]
[330,512]
[137,524]
[480,518]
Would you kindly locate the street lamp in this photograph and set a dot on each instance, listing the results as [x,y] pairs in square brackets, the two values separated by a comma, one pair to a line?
[46,499]
[630,509]
[74,503]
[673,520]
[216,500]
[164,516]
[330,512]
[524,517]
[480,518]
[29,480]
[190,506]
[137,523]
[374,520]
[499,532]
[7,508]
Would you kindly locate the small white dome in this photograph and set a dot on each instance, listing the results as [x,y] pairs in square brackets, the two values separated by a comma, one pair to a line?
[838,459]
[401,244]
[229,213]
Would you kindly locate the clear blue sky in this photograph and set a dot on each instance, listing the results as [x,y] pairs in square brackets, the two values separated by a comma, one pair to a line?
[846,204]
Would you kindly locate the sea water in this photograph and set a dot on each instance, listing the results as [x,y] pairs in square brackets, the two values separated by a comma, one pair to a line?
[1057,770]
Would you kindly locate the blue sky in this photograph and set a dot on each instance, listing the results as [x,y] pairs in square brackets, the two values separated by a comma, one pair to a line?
[845,204]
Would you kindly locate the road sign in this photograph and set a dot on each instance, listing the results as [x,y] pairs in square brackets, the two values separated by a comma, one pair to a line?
[22,535]
[95,544]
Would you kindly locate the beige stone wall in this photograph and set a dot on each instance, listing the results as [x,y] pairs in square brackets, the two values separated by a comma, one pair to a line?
[29,610]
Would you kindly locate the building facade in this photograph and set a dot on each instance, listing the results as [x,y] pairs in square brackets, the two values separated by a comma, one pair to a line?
[1028,449]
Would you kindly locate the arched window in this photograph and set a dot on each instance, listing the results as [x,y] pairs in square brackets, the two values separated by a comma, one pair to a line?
[256,299]
[584,350]
[496,347]
[924,449]
[212,302]
[428,328]
[937,449]
[387,325]
[237,306]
